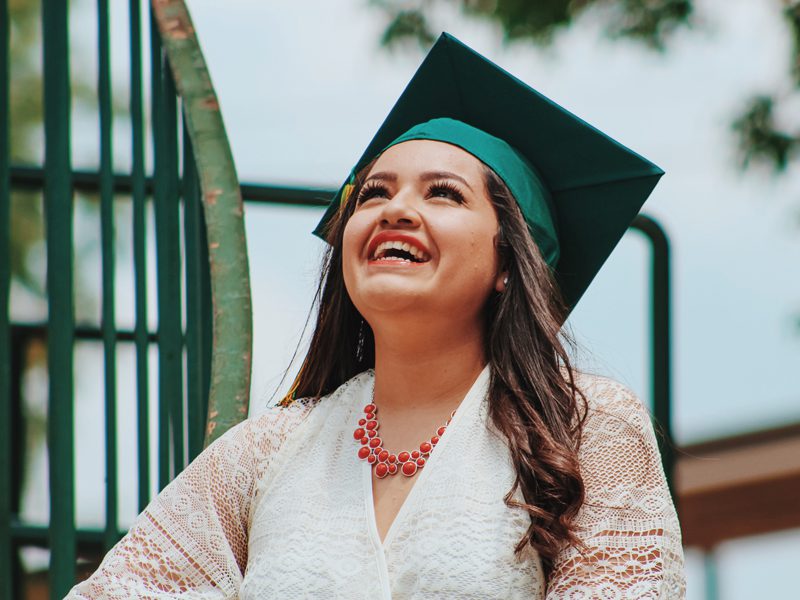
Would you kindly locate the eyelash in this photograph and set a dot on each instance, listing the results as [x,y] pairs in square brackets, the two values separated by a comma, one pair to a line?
[449,188]
[373,190]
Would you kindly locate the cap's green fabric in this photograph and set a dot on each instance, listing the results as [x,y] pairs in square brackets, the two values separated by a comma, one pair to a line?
[517,173]
[596,186]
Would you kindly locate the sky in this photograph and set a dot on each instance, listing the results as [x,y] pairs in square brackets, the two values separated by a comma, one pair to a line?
[304,85]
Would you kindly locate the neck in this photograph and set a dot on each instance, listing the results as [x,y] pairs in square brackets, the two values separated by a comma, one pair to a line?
[423,367]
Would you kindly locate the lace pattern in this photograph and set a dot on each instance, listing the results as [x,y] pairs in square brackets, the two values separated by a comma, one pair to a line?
[278,507]
[191,540]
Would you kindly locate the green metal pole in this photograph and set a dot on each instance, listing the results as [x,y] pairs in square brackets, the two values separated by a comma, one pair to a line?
[661,346]
[31,178]
[224,216]
[17,367]
[139,254]
[108,324]
[6,551]
[710,571]
[60,324]
[198,303]
[168,262]
[157,125]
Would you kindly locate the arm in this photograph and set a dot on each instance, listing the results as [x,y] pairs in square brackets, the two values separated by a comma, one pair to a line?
[628,522]
[191,540]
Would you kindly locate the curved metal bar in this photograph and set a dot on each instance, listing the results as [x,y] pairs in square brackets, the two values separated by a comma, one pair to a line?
[661,347]
[222,204]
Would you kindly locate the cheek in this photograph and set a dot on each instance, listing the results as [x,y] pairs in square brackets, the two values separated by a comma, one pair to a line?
[348,256]
[354,239]
[484,261]
[480,247]
[347,243]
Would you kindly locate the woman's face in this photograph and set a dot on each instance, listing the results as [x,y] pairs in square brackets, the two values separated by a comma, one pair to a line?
[421,241]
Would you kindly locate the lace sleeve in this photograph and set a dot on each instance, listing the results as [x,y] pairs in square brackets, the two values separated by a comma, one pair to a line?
[628,522]
[191,540]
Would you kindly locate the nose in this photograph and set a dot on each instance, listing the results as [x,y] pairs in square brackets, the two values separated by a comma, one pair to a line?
[401,211]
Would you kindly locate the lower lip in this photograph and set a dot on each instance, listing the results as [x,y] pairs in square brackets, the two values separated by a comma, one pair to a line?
[395,263]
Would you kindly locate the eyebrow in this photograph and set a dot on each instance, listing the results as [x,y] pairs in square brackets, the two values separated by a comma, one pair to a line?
[426,176]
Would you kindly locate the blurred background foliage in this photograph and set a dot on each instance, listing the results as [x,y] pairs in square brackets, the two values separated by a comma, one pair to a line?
[765,132]
[761,134]
[27,148]
[27,227]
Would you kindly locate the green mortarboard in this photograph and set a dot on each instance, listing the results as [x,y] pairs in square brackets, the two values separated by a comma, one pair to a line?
[571,181]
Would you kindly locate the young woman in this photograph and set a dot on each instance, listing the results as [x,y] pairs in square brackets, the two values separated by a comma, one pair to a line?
[437,442]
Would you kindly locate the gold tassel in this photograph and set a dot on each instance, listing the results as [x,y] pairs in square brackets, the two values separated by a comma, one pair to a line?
[289,398]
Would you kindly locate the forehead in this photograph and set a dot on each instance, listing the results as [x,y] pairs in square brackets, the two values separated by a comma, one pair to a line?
[427,155]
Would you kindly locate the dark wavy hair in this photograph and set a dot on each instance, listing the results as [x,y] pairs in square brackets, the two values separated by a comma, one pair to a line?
[533,399]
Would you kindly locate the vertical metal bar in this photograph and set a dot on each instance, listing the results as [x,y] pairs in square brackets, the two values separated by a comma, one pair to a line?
[6,558]
[139,253]
[198,303]
[108,325]
[711,575]
[661,351]
[19,347]
[661,347]
[168,257]
[170,271]
[171,276]
[157,127]
[60,323]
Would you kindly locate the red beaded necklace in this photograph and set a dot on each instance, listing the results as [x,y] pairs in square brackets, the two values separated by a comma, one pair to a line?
[381,460]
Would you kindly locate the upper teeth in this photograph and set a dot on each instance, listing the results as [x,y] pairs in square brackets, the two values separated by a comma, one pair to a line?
[397,245]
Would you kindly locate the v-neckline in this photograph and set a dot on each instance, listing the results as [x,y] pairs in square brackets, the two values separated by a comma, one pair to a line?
[433,459]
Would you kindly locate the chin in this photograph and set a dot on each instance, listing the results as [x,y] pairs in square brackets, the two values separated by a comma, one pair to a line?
[391,299]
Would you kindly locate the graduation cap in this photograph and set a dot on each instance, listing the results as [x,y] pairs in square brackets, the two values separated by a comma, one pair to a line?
[578,189]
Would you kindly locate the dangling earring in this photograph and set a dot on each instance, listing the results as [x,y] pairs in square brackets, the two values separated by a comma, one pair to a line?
[361,342]
[505,280]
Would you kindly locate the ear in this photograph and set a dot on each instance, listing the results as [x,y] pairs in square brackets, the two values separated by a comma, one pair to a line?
[501,281]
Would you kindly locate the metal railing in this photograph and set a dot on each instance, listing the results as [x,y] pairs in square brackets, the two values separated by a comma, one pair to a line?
[174,194]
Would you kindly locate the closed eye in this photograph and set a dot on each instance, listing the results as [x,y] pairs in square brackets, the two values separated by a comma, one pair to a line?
[372,190]
[445,189]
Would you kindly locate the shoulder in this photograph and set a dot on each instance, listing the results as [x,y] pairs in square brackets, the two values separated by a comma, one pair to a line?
[256,438]
[605,393]
[618,430]
[266,431]
[270,427]
[607,398]
[281,416]
[614,414]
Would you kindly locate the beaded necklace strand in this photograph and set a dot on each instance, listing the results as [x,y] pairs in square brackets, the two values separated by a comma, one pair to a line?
[383,462]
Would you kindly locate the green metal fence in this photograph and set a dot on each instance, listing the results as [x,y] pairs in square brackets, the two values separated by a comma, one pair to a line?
[184,336]
[173,191]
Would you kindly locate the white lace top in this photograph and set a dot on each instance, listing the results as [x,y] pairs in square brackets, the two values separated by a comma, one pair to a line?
[281,507]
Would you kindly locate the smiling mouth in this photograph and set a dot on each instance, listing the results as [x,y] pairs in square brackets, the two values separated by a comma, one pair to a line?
[397,252]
